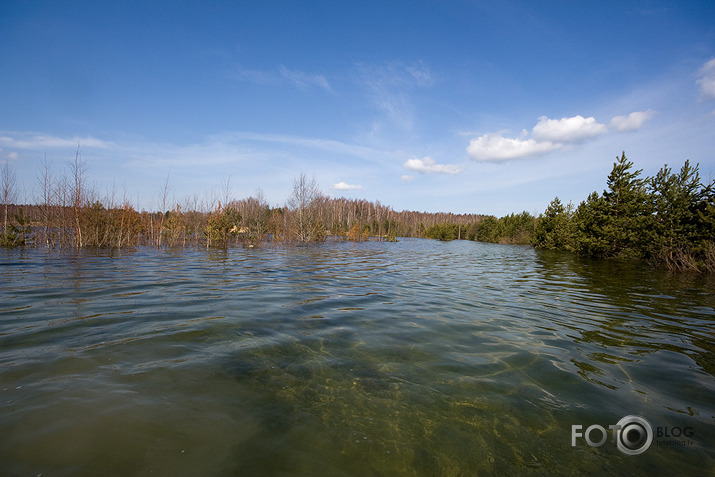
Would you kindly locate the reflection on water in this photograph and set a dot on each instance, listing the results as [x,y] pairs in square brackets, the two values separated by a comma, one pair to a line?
[411,358]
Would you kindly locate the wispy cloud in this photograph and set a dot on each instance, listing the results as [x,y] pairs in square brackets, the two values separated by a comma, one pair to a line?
[215,149]
[304,80]
[388,89]
[551,134]
[328,145]
[396,106]
[706,80]
[345,186]
[256,76]
[428,165]
[33,141]
[421,75]
[395,74]
[284,75]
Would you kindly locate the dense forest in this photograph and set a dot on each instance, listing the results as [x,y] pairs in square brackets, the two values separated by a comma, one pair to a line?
[667,220]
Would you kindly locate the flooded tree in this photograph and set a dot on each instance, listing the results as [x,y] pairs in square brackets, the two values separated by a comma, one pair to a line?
[554,230]
[44,180]
[12,235]
[78,170]
[305,223]
[256,215]
[8,192]
[684,212]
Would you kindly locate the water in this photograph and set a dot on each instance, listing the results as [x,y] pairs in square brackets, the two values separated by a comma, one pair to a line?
[409,358]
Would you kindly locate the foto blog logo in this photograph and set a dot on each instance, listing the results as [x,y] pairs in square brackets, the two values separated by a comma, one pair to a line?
[632,435]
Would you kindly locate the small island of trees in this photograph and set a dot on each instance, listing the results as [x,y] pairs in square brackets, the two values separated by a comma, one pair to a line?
[667,220]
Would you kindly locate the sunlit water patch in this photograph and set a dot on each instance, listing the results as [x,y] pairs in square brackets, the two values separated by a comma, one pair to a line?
[409,358]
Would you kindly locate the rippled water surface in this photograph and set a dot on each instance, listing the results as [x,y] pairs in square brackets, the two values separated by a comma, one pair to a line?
[409,358]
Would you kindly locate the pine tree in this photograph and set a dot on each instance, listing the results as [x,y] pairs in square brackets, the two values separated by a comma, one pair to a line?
[589,221]
[675,198]
[554,228]
[630,216]
[618,223]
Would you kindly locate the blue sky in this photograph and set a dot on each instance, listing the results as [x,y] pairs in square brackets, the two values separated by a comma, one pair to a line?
[459,106]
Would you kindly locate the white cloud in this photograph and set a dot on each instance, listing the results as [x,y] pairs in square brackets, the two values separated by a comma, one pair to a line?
[706,80]
[345,186]
[632,122]
[427,165]
[564,130]
[549,135]
[495,147]
[12,156]
[407,178]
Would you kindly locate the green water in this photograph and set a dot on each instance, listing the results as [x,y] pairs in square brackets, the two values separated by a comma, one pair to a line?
[409,358]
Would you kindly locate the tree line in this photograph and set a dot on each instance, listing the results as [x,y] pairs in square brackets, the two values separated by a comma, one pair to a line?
[68,214]
[667,220]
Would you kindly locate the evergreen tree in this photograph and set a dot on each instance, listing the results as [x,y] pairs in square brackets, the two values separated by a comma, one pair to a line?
[706,220]
[517,228]
[628,208]
[488,230]
[589,221]
[554,229]
[675,199]
[618,223]
[444,232]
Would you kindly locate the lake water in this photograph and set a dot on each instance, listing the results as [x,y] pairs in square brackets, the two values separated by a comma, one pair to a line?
[409,358]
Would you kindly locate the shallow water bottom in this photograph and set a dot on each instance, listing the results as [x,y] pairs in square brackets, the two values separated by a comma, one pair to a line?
[415,358]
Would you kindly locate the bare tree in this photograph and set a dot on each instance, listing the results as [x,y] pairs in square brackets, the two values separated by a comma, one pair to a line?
[255,216]
[306,225]
[8,191]
[226,191]
[78,169]
[163,199]
[62,195]
[44,179]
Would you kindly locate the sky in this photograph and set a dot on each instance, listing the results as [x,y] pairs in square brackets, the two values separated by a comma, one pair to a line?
[487,107]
